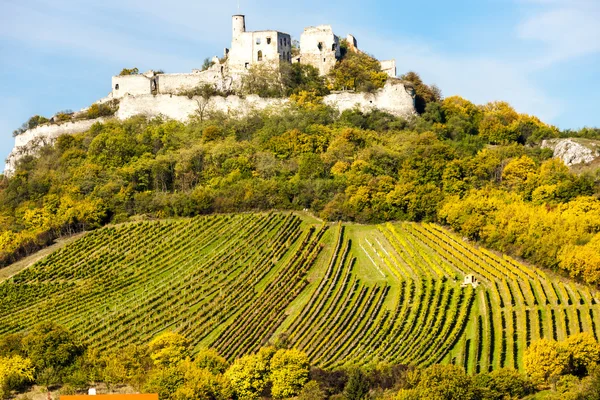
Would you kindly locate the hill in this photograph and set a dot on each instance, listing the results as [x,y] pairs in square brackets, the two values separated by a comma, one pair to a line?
[343,293]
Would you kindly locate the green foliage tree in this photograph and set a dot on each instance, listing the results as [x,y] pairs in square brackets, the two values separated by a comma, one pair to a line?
[357,71]
[503,384]
[31,123]
[544,359]
[441,382]
[249,375]
[584,353]
[358,386]
[129,71]
[312,391]
[211,360]
[52,350]
[200,384]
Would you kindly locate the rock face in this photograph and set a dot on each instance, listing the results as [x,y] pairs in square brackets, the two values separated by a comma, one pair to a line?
[573,151]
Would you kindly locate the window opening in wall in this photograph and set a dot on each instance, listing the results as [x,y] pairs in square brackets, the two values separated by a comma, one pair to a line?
[259,55]
[258,40]
[222,69]
[281,42]
[268,40]
[320,46]
[117,86]
[246,65]
[324,60]
[333,47]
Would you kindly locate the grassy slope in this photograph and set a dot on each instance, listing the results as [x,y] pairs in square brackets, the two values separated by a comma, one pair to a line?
[199,272]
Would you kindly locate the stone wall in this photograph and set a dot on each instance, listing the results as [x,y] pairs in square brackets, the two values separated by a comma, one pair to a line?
[130,84]
[181,108]
[389,67]
[319,47]
[394,98]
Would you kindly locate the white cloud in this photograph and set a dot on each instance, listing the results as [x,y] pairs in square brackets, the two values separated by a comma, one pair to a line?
[566,29]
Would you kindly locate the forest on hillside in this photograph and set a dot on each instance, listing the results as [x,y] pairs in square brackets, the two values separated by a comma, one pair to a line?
[475,168]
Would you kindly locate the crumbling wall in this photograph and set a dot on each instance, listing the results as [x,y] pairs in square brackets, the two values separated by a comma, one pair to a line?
[319,47]
[131,84]
[181,108]
[394,98]
[389,67]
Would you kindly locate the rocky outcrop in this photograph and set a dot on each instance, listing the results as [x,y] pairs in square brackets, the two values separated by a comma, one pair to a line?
[573,151]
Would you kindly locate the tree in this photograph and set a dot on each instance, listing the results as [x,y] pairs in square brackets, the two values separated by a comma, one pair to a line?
[497,123]
[52,349]
[200,384]
[357,71]
[312,391]
[207,64]
[168,349]
[289,372]
[211,360]
[584,353]
[504,383]
[249,375]
[357,387]
[15,371]
[544,359]
[519,172]
[299,77]
[129,71]
[441,382]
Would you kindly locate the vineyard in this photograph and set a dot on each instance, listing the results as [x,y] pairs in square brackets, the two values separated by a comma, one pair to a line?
[343,293]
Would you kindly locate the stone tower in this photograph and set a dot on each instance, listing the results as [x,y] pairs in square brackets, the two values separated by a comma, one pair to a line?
[238,25]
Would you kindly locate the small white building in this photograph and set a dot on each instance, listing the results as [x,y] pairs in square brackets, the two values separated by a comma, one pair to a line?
[470,280]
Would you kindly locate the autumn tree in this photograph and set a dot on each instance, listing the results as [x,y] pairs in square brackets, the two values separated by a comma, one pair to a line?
[168,348]
[544,359]
[289,372]
[249,375]
[15,371]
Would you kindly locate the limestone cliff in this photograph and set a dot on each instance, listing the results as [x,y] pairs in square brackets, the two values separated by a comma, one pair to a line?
[573,151]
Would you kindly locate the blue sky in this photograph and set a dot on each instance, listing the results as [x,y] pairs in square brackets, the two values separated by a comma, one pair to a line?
[543,56]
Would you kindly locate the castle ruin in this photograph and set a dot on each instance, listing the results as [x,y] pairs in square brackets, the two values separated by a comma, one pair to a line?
[319,47]
[156,94]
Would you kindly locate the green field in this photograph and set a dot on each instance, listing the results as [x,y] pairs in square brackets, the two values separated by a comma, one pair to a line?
[344,293]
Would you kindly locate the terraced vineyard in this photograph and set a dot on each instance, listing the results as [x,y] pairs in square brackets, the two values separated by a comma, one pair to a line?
[342,293]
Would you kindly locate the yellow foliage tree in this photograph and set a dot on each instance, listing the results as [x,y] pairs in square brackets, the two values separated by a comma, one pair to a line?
[584,352]
[169,348]
[14,372]
[519,173]
[545,358]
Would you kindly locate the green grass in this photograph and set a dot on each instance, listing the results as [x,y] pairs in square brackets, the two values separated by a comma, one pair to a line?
[235,282]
